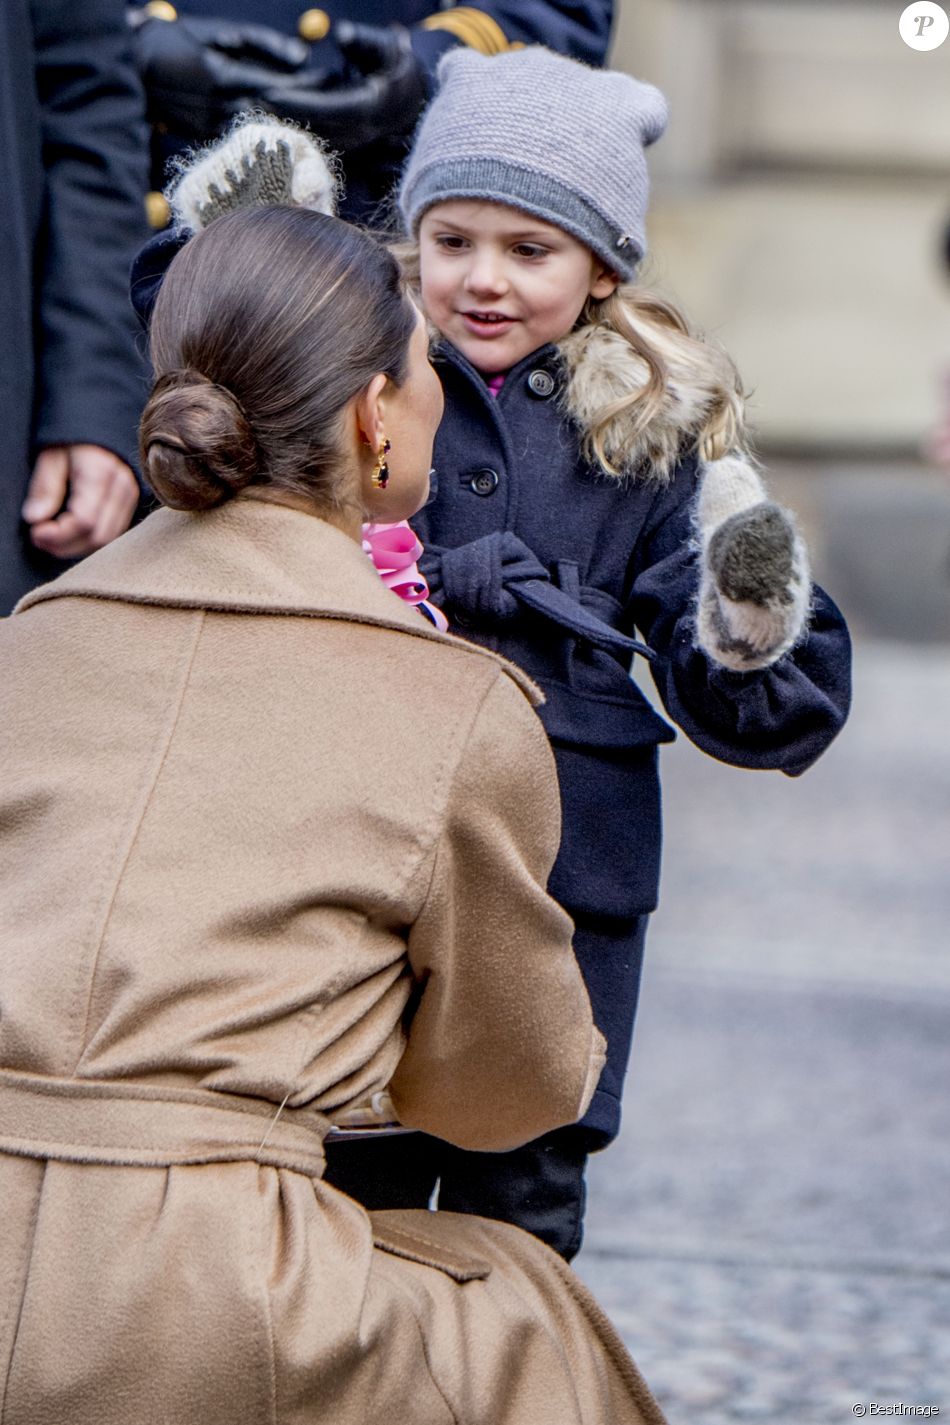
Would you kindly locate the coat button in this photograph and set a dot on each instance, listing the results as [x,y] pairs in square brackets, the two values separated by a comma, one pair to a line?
[157,210]
[313,25]
[541,383]
[484,482]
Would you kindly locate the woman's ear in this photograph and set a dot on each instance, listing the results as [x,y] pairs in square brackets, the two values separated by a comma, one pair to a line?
[603,282]
[369,411]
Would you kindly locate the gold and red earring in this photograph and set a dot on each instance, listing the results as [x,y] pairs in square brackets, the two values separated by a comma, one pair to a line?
[380,476]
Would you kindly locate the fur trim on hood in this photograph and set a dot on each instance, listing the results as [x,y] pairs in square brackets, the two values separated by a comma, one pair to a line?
[603,369]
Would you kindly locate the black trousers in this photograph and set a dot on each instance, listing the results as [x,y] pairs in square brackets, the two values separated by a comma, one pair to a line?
[540,1186]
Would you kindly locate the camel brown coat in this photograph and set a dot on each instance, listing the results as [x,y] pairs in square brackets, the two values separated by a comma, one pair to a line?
[270,843]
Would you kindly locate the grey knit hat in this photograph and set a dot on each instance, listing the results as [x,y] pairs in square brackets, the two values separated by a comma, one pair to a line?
[545,134]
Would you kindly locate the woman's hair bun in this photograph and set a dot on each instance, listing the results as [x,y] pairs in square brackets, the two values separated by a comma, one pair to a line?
[197,446]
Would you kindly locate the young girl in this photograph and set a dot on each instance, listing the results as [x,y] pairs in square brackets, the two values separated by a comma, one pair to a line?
[593,485]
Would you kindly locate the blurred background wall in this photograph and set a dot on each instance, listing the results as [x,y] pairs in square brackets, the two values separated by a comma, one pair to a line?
[801,202]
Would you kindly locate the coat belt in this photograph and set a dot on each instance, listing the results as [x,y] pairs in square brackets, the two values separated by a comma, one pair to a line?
[147,1125]
[498,574]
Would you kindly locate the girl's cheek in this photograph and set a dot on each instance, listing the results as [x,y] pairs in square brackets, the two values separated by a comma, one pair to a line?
[428,290]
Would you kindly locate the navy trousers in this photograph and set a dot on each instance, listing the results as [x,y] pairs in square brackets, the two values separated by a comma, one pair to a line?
[539,1187]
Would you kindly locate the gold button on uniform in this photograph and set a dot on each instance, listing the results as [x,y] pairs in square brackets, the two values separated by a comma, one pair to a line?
[157,210]
[313,25]
[160,10]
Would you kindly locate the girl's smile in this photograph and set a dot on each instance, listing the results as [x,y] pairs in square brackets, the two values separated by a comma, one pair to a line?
[499,283]
[487,325]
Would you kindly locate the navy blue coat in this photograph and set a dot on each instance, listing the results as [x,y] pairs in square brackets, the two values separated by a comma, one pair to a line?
[564,570]
[73,168]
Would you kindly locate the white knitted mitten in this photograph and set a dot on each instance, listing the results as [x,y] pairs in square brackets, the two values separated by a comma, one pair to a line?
[259,161]
[755,584]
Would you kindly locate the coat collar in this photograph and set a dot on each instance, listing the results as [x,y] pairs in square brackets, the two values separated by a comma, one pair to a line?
[247,556]
[546,356]
[597,367]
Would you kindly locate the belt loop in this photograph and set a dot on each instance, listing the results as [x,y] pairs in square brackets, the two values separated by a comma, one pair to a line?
[569,578]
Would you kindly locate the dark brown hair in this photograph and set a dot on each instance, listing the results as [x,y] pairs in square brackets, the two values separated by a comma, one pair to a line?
[266,325]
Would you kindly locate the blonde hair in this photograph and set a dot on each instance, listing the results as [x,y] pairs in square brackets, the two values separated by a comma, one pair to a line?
[675,371]
[655,390]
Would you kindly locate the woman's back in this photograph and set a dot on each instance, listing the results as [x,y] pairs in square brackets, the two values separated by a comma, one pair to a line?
[215,911]
[227,813]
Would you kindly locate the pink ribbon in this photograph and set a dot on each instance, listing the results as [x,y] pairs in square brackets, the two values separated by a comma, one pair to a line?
[394,550]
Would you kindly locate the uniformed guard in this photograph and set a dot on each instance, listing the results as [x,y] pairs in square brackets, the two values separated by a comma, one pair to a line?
[356,72]
[72,173]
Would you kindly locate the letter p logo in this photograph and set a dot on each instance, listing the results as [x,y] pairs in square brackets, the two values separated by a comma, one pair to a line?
[924,25]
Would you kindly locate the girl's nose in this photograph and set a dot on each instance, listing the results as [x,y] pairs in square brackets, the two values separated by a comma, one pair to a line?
[486,274]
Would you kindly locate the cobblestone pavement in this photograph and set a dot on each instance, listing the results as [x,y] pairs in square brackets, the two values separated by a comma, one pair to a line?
[731,1341]
[771,1233]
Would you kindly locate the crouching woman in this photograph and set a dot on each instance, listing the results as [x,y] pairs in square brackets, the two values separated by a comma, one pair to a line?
[272,844]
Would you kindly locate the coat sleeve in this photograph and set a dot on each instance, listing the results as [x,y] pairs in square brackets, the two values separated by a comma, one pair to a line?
[782,717]
[501,1046]
[577,28]
[91,374]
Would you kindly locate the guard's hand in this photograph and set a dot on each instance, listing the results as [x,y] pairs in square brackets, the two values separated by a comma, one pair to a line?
[199,72]
[385,91]
[79,498]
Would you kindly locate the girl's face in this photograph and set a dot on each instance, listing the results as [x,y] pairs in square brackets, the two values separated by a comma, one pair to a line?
[498,283]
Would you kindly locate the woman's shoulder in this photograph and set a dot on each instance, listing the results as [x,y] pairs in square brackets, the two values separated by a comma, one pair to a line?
[259,559]
[474,671]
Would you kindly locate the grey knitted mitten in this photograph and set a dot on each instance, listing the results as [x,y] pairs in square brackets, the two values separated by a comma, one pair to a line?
[755,585]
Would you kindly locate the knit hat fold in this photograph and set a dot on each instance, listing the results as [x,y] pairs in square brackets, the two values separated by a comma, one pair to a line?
[544,134]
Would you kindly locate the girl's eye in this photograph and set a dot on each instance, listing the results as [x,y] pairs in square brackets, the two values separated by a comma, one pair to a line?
[530,249]
[450,241]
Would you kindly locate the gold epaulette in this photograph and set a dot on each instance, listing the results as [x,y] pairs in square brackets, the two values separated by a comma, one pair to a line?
[473,27]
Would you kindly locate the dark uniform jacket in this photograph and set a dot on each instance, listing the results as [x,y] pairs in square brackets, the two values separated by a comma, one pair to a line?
[578,28]
[570,572]
[72,176]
